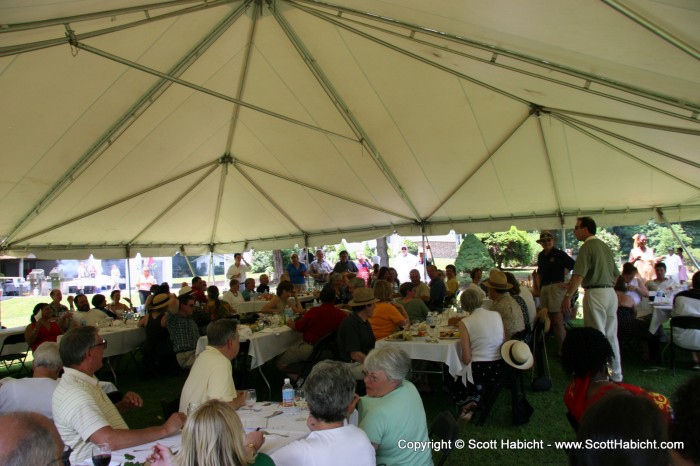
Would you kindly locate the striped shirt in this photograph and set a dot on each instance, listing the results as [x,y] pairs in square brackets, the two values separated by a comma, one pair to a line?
[81,408]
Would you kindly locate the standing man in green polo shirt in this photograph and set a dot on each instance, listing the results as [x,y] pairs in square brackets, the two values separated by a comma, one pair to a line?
[595,268]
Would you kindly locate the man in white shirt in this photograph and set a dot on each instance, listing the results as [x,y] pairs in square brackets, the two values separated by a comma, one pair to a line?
[238,270]
[85,315]
[330,392]
[673,265]
[35,393]
[211,376]
[403,263]
[82,412]
[662,281]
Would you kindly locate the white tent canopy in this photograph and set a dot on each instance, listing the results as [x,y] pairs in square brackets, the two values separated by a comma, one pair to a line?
[130,127]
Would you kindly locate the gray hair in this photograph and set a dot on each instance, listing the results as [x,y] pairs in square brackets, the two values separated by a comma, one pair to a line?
[470,299]
[40,441]
[357,282]
[76,343]
[334,276]
[47,355]
[395,362]
[329,388]
[219,331]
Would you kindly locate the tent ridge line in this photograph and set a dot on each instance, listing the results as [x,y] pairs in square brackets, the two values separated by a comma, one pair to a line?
[574,125]
[511,54]
[653,28]
[111,204]
[128,118]
[412,55]
[33,46]
[476,169]
[269,198]
[538,114]
[176,201]
[106,14]
[343,108]
[243,78]
[630,141]
[585,88]
[672,129]
[323,191]
[205,90]
[224,161]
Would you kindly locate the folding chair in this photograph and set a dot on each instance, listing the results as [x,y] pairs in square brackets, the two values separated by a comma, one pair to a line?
[682,322]
[10,358]
[444,427]
[241,365]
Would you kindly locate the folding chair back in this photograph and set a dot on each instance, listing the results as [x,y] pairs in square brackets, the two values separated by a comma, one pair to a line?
[444,427]
[10,358]
[685,323]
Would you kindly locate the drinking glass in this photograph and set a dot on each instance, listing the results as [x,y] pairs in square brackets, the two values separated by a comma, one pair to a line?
[299,400]
[101,454]
[250,398]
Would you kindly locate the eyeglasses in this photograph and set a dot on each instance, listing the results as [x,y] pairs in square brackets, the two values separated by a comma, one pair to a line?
[102,343]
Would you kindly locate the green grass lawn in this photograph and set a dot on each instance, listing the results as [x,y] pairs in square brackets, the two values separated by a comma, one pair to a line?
[548,423]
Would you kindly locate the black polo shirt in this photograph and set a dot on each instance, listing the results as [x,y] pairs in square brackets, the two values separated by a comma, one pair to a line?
[551,267]
[354,334]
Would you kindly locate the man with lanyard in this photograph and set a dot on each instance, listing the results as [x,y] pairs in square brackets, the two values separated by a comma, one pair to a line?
[595,268]
[553,266]
[320,269]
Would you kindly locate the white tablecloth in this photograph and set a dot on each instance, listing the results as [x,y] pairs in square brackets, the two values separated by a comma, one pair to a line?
[293,427]
[121,339]
[251,306]
[446,351]
[264,345]
[661,313]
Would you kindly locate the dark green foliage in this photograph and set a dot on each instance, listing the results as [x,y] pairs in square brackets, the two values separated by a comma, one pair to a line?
[472,253]
[510,248]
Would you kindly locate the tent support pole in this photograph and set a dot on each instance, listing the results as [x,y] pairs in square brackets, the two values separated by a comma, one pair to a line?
[128,271]
[212,276]
[661,216]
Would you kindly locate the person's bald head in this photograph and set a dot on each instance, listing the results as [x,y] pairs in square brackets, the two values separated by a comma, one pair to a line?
[29,438]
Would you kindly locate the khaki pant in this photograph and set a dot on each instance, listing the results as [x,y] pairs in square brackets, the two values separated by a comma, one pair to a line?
[185,359]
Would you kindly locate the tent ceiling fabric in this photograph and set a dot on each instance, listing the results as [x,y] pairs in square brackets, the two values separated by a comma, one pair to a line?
[143,127]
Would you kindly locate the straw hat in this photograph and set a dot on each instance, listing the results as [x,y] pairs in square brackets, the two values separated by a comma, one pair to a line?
[517,354]
[497,280]
[185,290]
[363,297]
[159,301]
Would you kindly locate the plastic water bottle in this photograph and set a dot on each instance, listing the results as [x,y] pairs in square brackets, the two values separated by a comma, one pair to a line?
[288,398]
[288,315]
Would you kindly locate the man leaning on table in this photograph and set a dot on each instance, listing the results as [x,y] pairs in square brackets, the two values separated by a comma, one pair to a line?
[211,376]
[595,269]
[83,413]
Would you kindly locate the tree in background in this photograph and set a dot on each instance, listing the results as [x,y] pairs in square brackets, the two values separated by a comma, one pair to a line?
[383,251]
[611,239]
[472,253]
[509,248]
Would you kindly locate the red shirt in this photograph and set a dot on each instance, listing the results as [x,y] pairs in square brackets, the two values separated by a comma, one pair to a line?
[319,321]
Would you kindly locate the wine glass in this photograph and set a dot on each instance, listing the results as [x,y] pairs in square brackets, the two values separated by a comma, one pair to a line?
[250,398]
[299,400]
[101,454]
